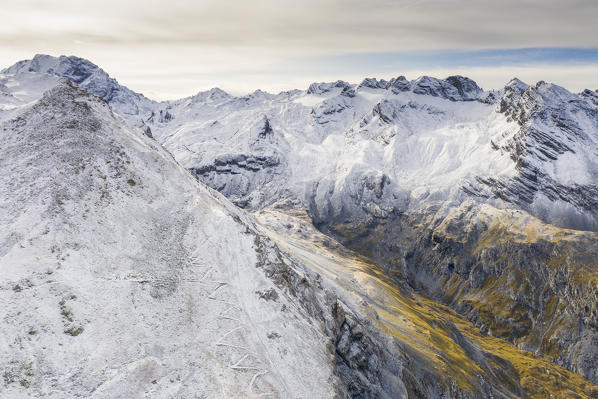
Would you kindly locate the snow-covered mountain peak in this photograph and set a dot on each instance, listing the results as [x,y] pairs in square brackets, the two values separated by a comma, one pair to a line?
[258,96]
[517,84]
[324,87]
[212,96]
[399,84]
[373,83]
[544,101]
[71,67]
[454,88]
[555,149]
[466,87]
[217,93]
[553,93]
[78,70]
[133,106]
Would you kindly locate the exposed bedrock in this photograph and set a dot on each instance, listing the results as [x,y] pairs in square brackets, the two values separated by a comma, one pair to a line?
[369,363]
[513,276]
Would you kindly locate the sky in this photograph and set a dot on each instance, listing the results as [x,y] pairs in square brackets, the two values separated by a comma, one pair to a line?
[171,49]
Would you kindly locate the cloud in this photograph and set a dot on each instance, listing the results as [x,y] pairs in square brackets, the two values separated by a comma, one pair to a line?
[308,25]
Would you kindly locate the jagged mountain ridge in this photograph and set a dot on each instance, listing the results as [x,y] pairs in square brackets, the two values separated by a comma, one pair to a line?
[374,110]
[253,148]
[88,76]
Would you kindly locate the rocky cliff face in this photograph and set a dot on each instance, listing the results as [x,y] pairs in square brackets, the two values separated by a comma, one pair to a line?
[555,151]
[438,344]
[512,275]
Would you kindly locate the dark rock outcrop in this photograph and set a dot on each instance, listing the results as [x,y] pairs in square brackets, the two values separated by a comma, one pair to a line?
[454,88]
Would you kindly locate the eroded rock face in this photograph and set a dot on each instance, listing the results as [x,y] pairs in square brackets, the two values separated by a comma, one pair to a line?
[321,88]
[240,175]
[400,84]
[554,151]
[590,95]
[454,88]
[513,276]
[236,175]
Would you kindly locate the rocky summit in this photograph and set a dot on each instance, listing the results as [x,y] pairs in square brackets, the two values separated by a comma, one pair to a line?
[386,239]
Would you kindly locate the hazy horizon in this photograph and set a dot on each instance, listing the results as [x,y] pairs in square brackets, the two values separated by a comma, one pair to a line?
[176,51]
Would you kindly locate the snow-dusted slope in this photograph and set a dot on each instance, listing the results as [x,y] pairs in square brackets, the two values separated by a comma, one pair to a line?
[124,277]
